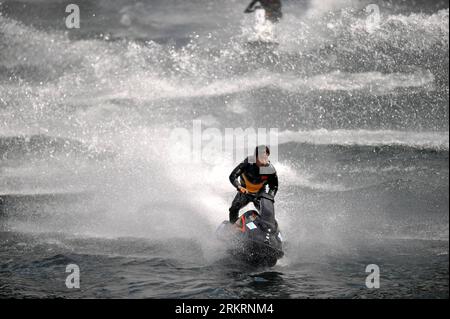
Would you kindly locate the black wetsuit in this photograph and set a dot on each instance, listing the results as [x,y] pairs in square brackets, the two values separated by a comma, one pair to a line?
[272,8]
[248,175]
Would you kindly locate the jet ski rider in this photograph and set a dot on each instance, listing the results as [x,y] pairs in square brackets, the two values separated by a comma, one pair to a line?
[251,176]
[272,8]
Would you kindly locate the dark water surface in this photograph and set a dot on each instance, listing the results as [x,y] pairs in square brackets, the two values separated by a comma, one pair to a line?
[34,266]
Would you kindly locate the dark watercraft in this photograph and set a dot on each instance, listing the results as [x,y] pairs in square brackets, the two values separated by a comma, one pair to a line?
[255,237]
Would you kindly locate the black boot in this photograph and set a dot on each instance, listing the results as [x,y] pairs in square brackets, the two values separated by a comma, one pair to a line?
[234,214]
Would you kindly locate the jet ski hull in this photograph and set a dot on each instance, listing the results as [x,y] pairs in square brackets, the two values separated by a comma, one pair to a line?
[251,243]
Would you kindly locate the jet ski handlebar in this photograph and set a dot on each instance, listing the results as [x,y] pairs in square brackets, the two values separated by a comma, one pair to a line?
[260,195]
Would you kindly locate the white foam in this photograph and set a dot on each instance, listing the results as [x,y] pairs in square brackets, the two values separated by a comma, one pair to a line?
[421,140]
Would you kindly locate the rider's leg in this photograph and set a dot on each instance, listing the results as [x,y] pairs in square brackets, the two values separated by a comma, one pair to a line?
[239,201]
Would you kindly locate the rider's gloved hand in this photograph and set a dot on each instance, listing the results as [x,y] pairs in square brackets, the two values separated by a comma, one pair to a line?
[242,190]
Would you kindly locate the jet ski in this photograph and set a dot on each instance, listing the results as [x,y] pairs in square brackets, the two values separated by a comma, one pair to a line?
[255,237]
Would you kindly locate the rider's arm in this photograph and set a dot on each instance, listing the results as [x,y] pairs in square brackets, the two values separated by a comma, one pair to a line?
[250,9]
[234,176]
[273,184]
